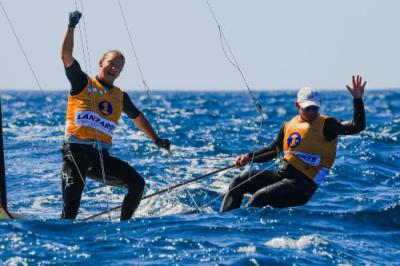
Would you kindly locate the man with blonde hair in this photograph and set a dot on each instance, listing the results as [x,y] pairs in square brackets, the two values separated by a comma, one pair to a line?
[95,105]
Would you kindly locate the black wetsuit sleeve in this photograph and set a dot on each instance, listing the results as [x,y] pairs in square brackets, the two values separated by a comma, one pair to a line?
[76,77]
[129,108]
[334,127]
[266,154]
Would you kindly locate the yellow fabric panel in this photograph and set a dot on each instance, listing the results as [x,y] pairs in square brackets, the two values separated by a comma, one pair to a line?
[94,113]
[305,146]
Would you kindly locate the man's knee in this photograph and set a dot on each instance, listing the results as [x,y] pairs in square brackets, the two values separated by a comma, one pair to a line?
[136,183]
[240,180]
[258,201]
[234,182]
[262,197]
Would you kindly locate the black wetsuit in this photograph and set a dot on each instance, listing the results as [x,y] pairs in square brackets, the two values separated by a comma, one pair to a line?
[287,186]
[86,158]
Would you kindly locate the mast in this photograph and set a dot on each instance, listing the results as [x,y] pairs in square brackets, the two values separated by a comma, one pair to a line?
[3,192]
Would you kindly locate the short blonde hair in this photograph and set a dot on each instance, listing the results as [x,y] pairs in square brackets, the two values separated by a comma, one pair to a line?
[117,53]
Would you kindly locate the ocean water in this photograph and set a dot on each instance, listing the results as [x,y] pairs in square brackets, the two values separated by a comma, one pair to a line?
[353,218]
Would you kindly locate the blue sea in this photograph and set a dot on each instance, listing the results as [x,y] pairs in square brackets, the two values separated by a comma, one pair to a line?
[353,218]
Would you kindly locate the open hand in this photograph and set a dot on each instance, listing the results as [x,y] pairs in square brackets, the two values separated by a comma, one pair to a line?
[357,89]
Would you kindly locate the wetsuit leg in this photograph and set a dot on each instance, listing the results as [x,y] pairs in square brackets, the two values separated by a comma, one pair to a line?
[121,174]
[285,193]
[243,184]
[72,180]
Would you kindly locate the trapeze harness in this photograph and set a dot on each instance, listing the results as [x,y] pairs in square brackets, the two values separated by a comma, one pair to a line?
[306,148]
[307,160]
[93,114]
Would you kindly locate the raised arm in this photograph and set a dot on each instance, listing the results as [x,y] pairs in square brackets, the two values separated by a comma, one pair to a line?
[357,88]
[68,43]
[334,127]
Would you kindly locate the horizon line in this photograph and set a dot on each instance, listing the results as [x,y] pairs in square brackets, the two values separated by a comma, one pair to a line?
[203,89]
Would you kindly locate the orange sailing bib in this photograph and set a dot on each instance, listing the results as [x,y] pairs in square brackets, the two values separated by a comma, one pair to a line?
[93,114]
[306,148]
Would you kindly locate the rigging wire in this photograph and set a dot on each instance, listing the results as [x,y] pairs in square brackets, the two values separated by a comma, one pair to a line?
[49,110]
[247,180]
[214,179]
[223,40]
[162,191]
[24,53]
[146,86]
[147,89]
[91,92]
[84,40]
[230,56]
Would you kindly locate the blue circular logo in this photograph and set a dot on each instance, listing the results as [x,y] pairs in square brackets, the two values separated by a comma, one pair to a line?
[294,140]
[105,108]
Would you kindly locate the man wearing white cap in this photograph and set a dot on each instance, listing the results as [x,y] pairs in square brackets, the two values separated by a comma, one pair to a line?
[308,142]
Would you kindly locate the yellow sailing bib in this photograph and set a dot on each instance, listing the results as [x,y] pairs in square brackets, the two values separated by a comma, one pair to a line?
[93,114]
[306,148]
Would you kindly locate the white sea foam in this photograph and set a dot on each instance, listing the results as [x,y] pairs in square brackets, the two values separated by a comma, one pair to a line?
[43,206]
[52,247]
[303,242]
[247,249]
[16,261]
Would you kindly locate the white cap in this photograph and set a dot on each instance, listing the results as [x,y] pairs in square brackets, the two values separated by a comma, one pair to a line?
[308,97]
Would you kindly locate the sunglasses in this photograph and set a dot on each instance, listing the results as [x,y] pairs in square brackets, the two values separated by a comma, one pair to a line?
[311,108]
